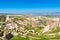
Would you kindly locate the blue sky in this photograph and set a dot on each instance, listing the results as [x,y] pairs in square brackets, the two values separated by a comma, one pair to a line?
[29,6]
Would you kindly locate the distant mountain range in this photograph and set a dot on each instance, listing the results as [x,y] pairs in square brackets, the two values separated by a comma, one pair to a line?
[48,13]
[42,13]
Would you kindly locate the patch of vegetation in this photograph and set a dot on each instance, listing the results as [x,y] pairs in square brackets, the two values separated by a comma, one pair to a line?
[19,38]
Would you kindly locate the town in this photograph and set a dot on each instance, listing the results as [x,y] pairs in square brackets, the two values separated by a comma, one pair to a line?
[29,27]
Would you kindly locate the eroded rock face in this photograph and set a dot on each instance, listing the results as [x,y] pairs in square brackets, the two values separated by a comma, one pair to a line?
[46,28]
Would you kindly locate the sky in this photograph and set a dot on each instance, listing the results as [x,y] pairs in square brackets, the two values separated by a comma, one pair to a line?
[29,6]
